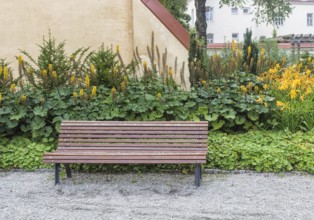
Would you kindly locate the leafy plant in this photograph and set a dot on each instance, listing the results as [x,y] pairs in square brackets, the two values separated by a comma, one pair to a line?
[21,153]
[263,151]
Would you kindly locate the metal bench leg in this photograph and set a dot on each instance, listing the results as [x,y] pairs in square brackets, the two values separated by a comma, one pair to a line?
[197,171]
[200,167]
[57,174]
[68,170]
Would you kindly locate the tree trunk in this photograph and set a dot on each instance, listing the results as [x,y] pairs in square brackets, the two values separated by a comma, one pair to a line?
[200,23]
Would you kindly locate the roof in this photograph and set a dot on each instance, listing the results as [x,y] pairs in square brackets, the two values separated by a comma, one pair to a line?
[169,21]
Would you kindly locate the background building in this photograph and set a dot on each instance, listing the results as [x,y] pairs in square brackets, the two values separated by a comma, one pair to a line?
[225,24]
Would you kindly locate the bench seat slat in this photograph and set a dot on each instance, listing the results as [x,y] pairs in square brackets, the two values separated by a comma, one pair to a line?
[124,153]
[142,132]
[128,128]
[87,140]
[128,161]
[127,157]
[131,145]
[143,149]
[123,136]
[136,124]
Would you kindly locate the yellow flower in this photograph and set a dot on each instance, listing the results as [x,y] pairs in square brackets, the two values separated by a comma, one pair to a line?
[265,104]
[113,92]
[81,93]
[308,72]
[94,89]
[170,72]
[44,74]
[0,97]
[158,95]
[12,88]
[72,80]
[309,59]
[123,86]
[243,89]
[256,89]
[20,59]
[265,86]
[280,104]
[5,73]
[302,98]
[54,75]
[50,68]
[308,91]
[203,83]
[118,48]
[145,65]
[74,95]
[92,70]
[249,49]
[87,81]
[295,83]
[260,99]
[263,52]
[260,79]
[283,86]
[233,45]
[23,99]
[293,94]
[218,90]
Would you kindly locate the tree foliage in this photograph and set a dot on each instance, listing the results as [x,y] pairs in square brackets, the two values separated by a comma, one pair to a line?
[178,9]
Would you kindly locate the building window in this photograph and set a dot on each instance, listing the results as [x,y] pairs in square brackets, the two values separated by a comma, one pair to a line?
[209,13]
[235,36]
[279,21]
[234,11]
[210,38]
[262,37]
[309,19]
[246,10]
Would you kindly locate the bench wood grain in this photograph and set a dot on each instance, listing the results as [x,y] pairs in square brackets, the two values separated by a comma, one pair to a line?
[125,142]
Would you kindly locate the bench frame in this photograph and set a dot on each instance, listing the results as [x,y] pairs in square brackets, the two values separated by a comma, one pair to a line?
[191,149]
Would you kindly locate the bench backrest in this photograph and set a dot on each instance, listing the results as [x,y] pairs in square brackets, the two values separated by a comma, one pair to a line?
[134,135]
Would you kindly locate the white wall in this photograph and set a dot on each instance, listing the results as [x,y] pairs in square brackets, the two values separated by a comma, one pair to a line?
[225,23]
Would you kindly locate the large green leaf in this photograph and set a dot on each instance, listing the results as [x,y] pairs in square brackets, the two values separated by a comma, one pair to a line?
[253,116]
[217,124]
[240,120]
[40,111]
[19,115]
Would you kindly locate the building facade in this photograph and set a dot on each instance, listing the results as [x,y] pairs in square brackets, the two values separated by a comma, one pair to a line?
[225,24]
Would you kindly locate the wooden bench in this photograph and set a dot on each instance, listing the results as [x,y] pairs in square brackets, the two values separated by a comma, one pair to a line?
[122,142]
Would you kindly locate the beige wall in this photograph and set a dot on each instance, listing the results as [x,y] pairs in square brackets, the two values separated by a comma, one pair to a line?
[83,23]
[144,24]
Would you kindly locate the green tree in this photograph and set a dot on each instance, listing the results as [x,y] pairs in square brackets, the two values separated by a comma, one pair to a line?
[265,11]
[178,9]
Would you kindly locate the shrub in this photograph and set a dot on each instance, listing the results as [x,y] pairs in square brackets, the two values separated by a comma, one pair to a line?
[263,151]
[20,152]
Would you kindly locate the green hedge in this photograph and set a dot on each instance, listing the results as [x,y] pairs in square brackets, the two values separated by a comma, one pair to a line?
[264,151]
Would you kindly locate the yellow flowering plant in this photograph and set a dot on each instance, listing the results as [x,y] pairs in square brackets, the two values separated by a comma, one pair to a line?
[292,87]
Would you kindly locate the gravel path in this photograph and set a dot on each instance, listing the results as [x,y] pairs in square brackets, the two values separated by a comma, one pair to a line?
[32,195]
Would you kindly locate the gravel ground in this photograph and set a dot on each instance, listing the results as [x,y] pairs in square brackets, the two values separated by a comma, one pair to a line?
[32,195]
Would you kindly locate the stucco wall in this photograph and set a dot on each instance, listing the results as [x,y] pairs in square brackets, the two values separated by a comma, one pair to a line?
[144,24]
[81,23]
